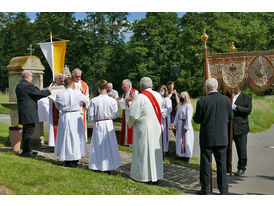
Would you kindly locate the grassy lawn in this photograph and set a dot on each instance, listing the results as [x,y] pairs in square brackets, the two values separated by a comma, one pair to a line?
[262,115]
[4,134]
[29,176]
[4,97]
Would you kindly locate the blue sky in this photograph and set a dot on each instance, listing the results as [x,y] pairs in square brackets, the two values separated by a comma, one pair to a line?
[132,15]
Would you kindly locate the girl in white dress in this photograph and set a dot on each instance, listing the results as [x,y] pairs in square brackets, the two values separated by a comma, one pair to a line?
[70,141]
[185,134]
[165,117]
[104,153]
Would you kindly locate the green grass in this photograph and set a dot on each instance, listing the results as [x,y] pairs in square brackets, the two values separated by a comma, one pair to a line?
[27,176]
[261,117]
[4,97]
[193,163]
[4,134]
[125,148]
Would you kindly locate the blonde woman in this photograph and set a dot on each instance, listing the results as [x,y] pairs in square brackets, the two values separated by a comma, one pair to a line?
[165,116]
[185,134]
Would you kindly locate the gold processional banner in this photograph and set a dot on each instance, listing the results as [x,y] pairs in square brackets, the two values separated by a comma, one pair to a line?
[243,69]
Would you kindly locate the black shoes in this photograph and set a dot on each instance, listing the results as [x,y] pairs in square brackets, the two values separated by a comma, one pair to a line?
[72,163]
[29,154]
[240,172]
[202,192]
[224,193]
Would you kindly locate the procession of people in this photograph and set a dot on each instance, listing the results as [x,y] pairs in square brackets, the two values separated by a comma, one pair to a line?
[148,118]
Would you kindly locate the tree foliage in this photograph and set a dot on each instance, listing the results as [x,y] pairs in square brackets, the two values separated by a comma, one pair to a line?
[99,44]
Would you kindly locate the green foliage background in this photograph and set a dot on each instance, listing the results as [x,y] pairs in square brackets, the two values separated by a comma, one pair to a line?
[161,39]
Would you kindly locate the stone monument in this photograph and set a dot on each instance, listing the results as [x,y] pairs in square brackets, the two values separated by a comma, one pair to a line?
[15,68]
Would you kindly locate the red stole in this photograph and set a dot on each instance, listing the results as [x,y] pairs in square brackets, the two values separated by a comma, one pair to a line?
[183,145]
[129,130]
[154,103]
[55,118]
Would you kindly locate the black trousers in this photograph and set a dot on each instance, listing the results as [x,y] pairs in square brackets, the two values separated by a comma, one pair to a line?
[241,147]
[28,130]
[219,153]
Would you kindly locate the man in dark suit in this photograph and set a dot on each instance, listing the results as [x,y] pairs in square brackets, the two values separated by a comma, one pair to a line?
[213,112]
[27,95]
[242,106]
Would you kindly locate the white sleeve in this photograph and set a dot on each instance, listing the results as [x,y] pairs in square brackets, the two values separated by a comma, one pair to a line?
[135,110]
[115,111]
[169,106]
[176,118]
[189,113]
[91,111]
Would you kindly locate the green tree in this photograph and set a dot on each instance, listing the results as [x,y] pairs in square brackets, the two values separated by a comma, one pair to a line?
[154,48]
[16,36]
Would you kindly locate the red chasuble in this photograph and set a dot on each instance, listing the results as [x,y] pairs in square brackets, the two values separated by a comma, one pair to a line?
[129,130]
[55,118]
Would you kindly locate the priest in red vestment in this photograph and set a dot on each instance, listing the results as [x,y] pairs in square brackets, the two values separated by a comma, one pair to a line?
[125,102]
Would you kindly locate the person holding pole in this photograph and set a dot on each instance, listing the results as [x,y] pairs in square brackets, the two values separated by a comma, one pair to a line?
[213,112]
[242,106]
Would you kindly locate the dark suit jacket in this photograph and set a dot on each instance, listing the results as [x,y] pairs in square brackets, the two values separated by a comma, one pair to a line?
[27,95]
[243,109]
[213,112]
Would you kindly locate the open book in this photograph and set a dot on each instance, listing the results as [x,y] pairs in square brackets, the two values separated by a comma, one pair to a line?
[55,90]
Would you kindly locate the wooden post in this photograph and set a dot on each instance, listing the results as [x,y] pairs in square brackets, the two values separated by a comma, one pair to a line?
[231,139]
[205,37]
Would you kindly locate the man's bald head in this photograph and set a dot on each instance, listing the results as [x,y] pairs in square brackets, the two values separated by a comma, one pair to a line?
[27,75]
[109,86]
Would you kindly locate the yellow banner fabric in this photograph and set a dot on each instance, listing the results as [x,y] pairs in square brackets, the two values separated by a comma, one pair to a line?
[59,52]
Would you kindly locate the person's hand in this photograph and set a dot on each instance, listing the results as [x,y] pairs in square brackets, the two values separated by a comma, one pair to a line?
[81,104]
[110,94]
[174,92]
[234,106]
[50,88]
[185,130]
[129,99]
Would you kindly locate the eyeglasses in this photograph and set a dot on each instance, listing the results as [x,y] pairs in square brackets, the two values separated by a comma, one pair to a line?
[78,76]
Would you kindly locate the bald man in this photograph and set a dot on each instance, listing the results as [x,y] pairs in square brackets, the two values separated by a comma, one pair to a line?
[27,96]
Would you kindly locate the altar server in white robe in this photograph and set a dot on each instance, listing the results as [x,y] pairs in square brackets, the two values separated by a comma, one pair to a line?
[104,153]
[184,134]
[71,141]
[147,158]
[165,111]
[53,111]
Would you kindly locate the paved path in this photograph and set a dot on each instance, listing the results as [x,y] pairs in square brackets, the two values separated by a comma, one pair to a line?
[259,176]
